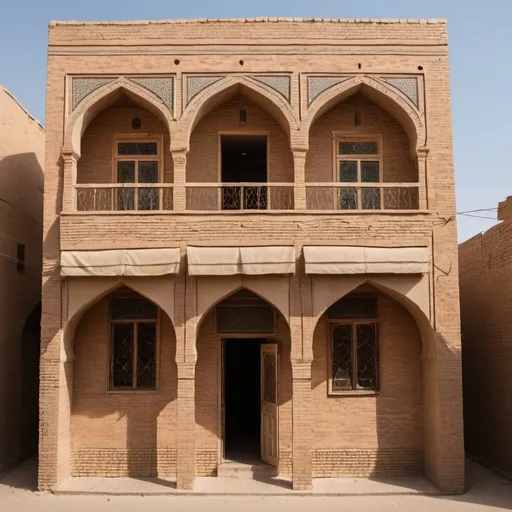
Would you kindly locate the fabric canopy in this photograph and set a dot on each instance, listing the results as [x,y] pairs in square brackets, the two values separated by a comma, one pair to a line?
[126,262]
[366,260]
[224,261]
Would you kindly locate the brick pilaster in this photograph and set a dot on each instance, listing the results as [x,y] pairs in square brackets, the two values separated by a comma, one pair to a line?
[299,190]
[179,159]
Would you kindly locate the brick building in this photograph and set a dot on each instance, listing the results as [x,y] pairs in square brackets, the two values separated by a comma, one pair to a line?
[250,251]
[485,295]
[21,218]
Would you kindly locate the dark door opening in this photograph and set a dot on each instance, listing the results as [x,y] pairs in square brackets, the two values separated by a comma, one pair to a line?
[242,420]
[244,160]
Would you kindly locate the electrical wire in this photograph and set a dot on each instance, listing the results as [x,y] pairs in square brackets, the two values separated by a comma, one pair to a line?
[477,216]
[478,210]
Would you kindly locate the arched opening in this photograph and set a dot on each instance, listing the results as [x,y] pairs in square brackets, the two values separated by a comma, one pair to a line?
[124,149]
[124,389]
[239,138]
[367,146]
[30,354]
[367,388]
[243,385]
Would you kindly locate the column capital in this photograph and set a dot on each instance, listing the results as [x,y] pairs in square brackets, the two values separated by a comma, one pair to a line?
[422,152]
[301,369]
[69,156]
[186,370]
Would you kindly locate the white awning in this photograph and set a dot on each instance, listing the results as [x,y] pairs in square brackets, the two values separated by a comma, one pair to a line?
[366,260]
[226,261]
[125,262]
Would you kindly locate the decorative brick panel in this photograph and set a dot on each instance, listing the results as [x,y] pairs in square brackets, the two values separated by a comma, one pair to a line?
[206,462]
[366,463]
[108,462]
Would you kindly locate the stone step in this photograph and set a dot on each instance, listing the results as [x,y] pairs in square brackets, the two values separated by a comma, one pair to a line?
[249,470]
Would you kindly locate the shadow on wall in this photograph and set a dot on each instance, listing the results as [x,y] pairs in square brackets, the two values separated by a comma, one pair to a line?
[121,433]
[31,347]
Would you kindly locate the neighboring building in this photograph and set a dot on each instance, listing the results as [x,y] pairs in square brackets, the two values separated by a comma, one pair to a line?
[244,204]
[486,304]
[21,218]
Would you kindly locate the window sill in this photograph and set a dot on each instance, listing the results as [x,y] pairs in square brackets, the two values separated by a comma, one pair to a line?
[131,391]
[354,392]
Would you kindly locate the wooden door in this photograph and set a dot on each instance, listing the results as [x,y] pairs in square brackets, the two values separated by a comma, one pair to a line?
[269,408]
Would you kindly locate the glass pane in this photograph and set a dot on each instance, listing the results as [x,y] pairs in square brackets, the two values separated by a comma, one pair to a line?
[148,172]
[137,148]
[348,171]
[354,307]
[348,199]
[269,378]
[370,198]
[358,148]
[342,357]
[370,172]
[146,355]
[126,199]
[126,172]
[122,355]
[367,360]
[132,309]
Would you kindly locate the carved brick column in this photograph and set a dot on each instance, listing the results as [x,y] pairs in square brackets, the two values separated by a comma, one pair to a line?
[70,160]
[179,159]
[186,363]
[299,190]
[422,178]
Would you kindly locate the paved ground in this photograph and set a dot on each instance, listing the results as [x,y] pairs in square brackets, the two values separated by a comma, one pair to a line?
[487,492]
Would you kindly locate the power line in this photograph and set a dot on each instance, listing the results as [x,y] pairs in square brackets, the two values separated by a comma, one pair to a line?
[479,210]
[477,216]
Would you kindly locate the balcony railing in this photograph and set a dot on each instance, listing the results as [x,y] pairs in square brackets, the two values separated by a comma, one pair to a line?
[362,196]
[340,197]
[239,196]
[124,197]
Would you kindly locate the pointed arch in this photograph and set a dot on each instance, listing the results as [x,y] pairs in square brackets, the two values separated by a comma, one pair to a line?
[100,99]
[273,290]
[83,294]
[410,292]
[386,96]
[220,91]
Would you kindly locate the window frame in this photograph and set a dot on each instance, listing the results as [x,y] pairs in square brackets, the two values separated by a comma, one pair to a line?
[339,137]
[159,158]
[110,375]
[331,324]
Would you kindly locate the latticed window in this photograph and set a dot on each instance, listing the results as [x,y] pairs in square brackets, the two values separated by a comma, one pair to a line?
[359,162]
[137,162]
[134,340]
[354,361]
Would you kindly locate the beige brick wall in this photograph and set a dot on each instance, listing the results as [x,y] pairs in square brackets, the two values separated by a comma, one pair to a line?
[218,48]
[390,422]
[95,165]
[21,198]
[203,159]
[486,295]
[121,433]
[396,156]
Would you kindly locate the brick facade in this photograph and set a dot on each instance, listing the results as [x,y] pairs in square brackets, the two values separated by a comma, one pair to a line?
[485,290]
[395,91]
[21,211]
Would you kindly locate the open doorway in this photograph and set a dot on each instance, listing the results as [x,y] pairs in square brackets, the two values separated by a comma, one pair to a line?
[244,160]
[242,406]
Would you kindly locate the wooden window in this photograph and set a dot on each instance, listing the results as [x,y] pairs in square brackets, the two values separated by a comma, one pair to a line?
[354,345]
[358,162]
[134,341]
[137,160]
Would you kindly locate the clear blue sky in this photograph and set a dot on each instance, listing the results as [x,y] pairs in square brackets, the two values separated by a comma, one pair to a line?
[480,54]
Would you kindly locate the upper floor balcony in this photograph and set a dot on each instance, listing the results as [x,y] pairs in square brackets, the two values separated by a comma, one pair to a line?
[355,153]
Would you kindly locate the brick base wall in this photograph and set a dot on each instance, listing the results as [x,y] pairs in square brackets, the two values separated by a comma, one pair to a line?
[206,462]
[366,463]
[285,463]
[117,463]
